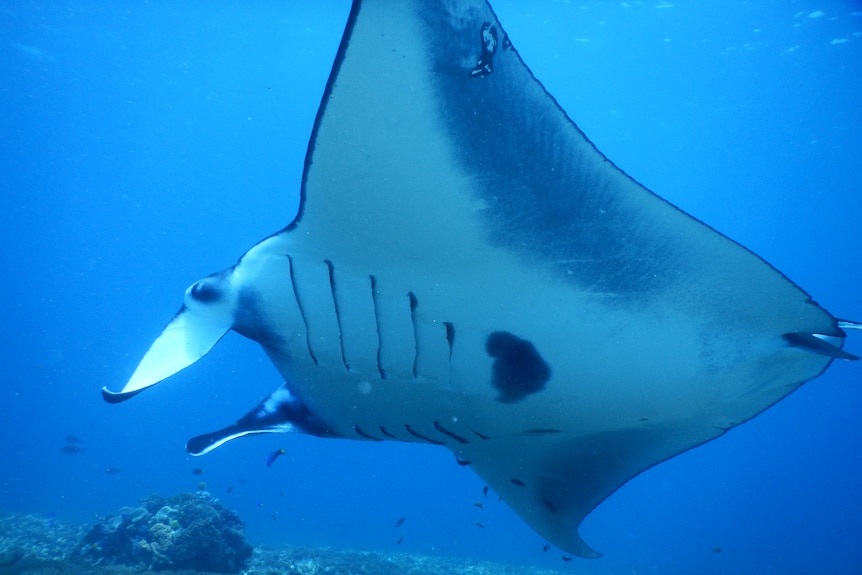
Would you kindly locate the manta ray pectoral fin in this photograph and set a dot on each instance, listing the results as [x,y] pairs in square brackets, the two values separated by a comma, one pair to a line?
[821,344]
[206,316]
[281,412]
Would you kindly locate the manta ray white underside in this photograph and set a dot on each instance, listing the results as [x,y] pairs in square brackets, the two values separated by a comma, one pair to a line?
[468,270]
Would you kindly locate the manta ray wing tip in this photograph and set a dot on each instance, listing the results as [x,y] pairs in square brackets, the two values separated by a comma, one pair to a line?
[818,344]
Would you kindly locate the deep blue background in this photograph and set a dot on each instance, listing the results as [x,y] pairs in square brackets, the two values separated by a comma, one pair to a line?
[145,145]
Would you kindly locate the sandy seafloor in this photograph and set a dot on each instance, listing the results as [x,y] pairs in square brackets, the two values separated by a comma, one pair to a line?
[39,545]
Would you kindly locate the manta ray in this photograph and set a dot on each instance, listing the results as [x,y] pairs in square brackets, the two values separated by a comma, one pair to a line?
[467,270]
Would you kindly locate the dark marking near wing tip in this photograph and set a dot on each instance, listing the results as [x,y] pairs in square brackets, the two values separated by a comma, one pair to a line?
[118,397]
[361,433]
[445,431]
[518,482]
[550,505]
[811,343]
[485,63]
[418,435]
[518,369]
[462,462]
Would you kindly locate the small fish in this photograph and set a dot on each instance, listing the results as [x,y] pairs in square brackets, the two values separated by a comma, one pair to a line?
[485,491]
[229,489]
[72,449]
[546,548]
[202,486]
[479,504]
[716,549]
[270,459]
[480,526]
[112,470]
[566,558]
[400,539]
[73,439]
[401,521]
[197,471]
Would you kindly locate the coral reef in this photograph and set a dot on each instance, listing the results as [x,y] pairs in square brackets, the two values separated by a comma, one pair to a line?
[187,531]
[37,545]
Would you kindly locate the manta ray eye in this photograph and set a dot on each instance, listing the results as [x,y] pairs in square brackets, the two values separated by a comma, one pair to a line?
[206,291]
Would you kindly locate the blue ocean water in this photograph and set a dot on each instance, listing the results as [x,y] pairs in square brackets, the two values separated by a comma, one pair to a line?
[147,144]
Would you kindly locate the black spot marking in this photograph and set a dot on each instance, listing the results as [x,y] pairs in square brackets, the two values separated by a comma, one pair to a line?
[445,431]
[485,63]
[550,505]
[206,291]
[518,482]
[518,369]
[361,433]
[418,435]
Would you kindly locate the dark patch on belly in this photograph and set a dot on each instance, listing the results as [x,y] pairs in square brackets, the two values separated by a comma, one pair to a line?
[518,369]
